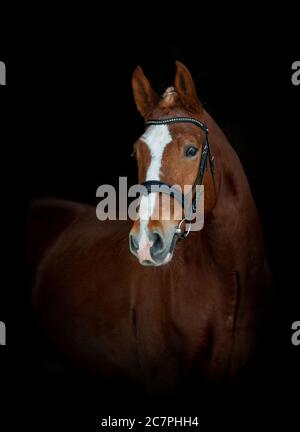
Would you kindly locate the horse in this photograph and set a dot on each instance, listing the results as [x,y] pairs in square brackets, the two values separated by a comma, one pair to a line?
[152,309]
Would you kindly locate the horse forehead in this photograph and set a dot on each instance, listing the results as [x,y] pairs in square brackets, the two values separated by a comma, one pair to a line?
[157,137]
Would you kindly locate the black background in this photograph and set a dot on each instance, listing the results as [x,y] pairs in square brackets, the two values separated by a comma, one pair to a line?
[68,123]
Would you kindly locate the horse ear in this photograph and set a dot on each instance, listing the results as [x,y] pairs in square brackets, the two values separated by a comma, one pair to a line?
[185,87]
[145,97]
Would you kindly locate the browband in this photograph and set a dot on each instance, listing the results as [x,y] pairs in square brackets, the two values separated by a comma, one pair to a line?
[196,122]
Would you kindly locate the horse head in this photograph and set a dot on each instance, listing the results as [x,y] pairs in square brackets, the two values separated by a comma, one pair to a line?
[173,151]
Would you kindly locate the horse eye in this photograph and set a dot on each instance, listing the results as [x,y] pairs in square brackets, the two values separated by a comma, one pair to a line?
[190,151]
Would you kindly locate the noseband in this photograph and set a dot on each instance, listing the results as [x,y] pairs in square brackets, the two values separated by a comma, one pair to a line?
[158,186]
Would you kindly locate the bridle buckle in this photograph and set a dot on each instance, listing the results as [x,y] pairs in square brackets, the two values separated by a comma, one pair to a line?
[185,233]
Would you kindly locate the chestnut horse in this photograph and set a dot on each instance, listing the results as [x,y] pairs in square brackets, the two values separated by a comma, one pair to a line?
[159,312]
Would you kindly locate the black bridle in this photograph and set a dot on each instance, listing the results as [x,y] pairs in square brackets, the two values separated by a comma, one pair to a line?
[158,186]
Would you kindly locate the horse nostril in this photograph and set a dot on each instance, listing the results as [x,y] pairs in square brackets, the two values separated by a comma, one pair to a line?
[133,241]
[158,244]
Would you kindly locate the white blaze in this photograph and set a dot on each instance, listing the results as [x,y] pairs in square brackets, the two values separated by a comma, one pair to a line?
[157,137]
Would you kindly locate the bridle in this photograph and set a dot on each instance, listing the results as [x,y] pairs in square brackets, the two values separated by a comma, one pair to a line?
[158,186]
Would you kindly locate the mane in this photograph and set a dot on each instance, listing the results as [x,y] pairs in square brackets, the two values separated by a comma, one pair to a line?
[169,98]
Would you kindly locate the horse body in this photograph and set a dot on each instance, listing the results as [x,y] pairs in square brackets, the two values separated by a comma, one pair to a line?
[150,324]
[197,316]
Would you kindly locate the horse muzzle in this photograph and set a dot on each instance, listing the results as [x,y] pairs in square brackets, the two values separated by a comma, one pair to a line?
[152,248]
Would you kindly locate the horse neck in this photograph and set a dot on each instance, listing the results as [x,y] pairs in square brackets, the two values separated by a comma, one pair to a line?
[230,176]
[233,200]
